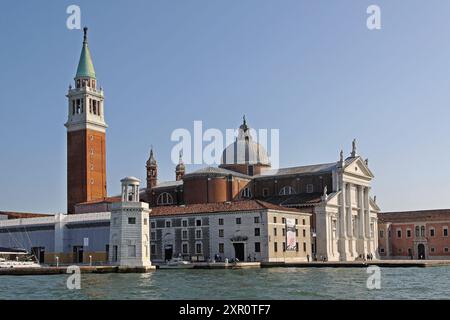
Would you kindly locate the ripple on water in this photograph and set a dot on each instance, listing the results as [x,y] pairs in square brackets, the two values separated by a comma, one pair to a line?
[271,283]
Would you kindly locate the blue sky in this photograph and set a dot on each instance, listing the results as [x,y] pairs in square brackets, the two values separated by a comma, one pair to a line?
[309,68]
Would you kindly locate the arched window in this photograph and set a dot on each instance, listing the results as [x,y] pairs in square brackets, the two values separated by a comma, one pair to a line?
[422,231]
[417,231]
[286,191]
[246,193]
[165,199]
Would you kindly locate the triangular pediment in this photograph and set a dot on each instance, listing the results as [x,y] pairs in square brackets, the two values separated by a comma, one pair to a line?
[358,167]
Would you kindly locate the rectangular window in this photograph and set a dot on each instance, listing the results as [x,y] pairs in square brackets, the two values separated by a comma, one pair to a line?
[184,234]
[274,219]
[257,247]
[132,251]
[283,231]
[198,222]
[131,220]
[90,105]
[168,223]
[153,235]
[198,248]
[296,221]
[446,250]
[296,246]
[257,232]
[432,232]
[445,231]
[304,222]
[408,233]
[221,248]
[283,220]
[184,223]
[198,234]
[275,247]
[381,250]
[309,188]
[304,246]
[433,249]
[296,232]
[275,232]
[256,219]
[73,106]
[221,233]
[185,248]
[238,220]
[265,192]
[220,222]
[284,246]
[153,225]
[304,233]
[381,233]
[152,249]
[399,234]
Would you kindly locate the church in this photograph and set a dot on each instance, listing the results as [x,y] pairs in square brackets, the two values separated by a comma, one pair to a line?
[242,209]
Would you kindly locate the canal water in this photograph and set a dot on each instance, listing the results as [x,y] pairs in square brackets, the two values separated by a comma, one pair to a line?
[270,283]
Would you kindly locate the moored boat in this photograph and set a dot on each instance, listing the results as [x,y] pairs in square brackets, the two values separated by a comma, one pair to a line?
[17,258]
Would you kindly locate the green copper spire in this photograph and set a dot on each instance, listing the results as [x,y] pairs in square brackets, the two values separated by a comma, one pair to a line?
[85,66]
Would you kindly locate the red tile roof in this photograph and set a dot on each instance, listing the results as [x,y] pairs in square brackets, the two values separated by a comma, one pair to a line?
[244,205]
[420,215]
[103,200]
[22,215]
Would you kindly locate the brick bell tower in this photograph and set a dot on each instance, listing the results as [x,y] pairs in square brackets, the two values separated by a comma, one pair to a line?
[86,128]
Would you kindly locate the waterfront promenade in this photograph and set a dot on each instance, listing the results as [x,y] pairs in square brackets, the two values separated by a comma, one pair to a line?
[52,270]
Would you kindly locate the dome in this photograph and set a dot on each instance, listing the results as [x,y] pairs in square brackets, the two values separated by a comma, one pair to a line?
[180,167]
[244,150]
[130,179]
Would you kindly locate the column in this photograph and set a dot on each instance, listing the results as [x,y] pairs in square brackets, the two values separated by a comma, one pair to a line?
[348,210]
[361,212]
[367,212]
[342,223]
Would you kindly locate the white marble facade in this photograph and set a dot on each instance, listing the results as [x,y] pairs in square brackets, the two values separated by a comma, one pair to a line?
[346,220]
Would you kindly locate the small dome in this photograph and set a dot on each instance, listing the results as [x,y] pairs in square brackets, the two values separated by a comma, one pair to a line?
[180,167]
[244,150]
[130,179]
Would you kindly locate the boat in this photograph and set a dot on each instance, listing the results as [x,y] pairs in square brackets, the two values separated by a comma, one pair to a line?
[177,263]
[17,258]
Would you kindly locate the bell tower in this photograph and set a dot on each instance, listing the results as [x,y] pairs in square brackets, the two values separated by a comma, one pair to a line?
[86,141]
[152,171]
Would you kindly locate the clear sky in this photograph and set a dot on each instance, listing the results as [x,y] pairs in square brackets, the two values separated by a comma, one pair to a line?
[309,68]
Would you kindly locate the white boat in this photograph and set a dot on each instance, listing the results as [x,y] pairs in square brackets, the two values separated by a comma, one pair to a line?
[177,263]
[16,258]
